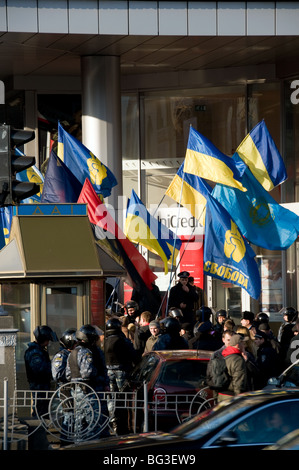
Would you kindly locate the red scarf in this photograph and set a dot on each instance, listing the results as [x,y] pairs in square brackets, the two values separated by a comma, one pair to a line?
[230,350]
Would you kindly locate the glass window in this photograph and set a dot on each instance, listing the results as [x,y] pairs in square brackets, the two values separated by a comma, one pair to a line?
[291,141]
[144,369]
[264,103]
[16,301]
[268,424]
[61,308]
[183,374]
[292,376]
[217,113]
[271,300]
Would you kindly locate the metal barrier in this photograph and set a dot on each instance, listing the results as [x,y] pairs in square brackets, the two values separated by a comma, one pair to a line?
[76,413]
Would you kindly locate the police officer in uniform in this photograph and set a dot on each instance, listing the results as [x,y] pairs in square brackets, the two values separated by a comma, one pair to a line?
[120,357]
[120,354]
[58,366]
[38,367]
[183,296]
[67,342]
[86,363]
[285,332]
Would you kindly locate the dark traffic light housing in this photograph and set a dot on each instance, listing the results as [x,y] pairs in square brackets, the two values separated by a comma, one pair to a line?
[13,191]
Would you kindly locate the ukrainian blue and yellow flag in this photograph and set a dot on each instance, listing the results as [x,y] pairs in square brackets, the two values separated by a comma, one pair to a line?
[189,191]
[259,152]
[141,227]
[261,220]
[83,164]
[31,175]
[227,255]
[205,160]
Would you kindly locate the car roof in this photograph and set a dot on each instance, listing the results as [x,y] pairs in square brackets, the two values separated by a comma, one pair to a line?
[270,394]
[182,354]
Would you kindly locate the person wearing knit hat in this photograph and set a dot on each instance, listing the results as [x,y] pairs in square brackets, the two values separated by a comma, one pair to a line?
[154,328]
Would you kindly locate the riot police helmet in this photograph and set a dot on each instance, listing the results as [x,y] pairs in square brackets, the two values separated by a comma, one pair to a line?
[113,324]
[290,313]
[87,334]
[221,313]
[175,313]
[44,333]
[132,304]
[171,325]
[262,317]
[203,313]
[68,338]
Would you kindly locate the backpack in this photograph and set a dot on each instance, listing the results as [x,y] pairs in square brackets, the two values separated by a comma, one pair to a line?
[217,373]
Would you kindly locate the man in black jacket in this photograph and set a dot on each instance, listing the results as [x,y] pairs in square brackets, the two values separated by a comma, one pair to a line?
[120,357]
[183,296]
[38,367]
[267,359]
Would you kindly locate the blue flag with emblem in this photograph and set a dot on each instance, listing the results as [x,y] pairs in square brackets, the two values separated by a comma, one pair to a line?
[83,163]
[261,220]
[259,152]
[141,227]
[227,255]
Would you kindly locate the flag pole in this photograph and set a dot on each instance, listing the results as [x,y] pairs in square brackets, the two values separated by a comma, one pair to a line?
[175,239]
[173,273]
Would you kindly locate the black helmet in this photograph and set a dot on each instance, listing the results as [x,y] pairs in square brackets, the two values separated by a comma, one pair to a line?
[132,304]
[113,324]
[203,314]
[290,313]
[221,313]
[171,325]
[175,313]
[68,338]
[262,317]
[88,334]
[44,333]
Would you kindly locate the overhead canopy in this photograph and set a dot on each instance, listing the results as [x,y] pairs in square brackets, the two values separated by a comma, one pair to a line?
[54,246]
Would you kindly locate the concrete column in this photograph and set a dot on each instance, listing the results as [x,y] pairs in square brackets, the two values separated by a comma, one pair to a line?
[101,114]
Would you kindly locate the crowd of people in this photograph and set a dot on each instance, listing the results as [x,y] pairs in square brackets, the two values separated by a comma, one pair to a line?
[104,359]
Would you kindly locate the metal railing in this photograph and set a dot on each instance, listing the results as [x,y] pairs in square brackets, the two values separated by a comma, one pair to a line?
[75,412]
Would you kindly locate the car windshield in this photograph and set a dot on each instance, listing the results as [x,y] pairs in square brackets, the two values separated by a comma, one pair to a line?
[214,418]
[292,375]
[144,369]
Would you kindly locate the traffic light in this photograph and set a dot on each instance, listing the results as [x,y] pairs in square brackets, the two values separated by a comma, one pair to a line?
[13,191]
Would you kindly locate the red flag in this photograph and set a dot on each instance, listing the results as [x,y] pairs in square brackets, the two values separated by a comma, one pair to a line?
[99,216]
